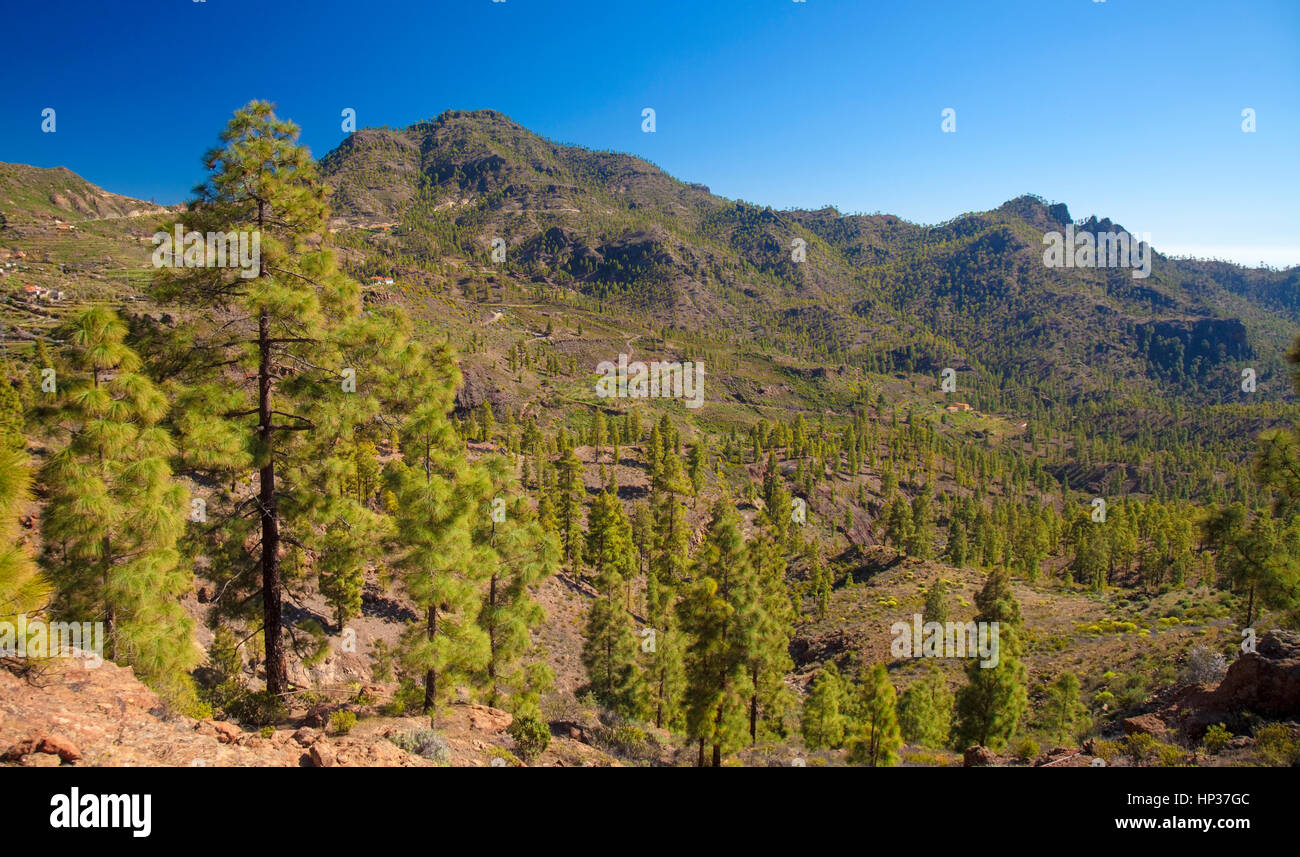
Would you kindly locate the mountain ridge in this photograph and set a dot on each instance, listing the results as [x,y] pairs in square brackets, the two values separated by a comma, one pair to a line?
[627,234]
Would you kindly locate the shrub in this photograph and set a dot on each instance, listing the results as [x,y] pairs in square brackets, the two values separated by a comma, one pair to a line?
[267,732]
[1024,749]
[1171,755]
[1216,738]
[341,722]
[1134,691]
[531,735]
[1141,747]
[259,708]
[1276,745]
[424,742]
[624,739]
[1107,750]
[1204,666]
[509,760]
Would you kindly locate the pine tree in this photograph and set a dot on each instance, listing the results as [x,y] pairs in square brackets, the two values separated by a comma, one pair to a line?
[598,432]
[898,523]
[925,710]
[663,664]
[609,650]
[994,699]
[823,722]
[768,619]
[23,589]
[523,555]
[696,464]
[1064,711]
[776,499]
[717,682]
[643,536]
[936,604]
[569,513]
[263,361]
[820,579]
[958,546]
[920,535]
[670,557]
[441,502]
[1253,558]
[115,512]
[13,426]
[874,736]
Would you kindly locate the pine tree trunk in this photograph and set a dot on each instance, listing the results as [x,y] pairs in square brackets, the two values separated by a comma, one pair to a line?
[277,678]
[717,729]
[700,763]
[659,702]
[110,614]
[431,675]
[492,639]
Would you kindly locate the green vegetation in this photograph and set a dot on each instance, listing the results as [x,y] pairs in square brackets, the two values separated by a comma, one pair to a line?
[298,453]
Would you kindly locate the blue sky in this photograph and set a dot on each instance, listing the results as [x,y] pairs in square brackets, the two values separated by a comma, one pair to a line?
[1126,108]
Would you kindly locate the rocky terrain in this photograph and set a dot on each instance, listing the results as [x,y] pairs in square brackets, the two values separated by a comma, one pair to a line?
[63,713]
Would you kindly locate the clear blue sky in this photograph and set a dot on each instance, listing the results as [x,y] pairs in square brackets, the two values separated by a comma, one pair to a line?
[1126,108]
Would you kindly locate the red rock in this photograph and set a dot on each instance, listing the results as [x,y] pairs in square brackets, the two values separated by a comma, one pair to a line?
[1144,724]
[485,719]
[1265,682]
[306,736]
[226,733]
[322,755]
[978,757]
[43,743]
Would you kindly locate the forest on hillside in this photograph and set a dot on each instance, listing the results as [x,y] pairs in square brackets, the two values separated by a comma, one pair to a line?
[370,477]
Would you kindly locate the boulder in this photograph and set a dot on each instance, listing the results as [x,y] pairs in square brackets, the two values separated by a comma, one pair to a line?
[1265,682]
[1145,724]
[223,731]
[485,719]
[44,743]
[322,754]
[978,757]
[306,736]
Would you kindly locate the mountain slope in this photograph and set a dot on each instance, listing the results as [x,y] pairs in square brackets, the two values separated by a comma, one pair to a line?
[873,290]
[34,194]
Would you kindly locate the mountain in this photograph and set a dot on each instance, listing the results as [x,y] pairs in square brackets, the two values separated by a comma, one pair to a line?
[874,290]
[825,336]
[33,194]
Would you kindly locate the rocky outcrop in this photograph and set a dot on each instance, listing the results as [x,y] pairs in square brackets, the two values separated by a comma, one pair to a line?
[1265,682]
[64,714]
[67,714]
[1145,724]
